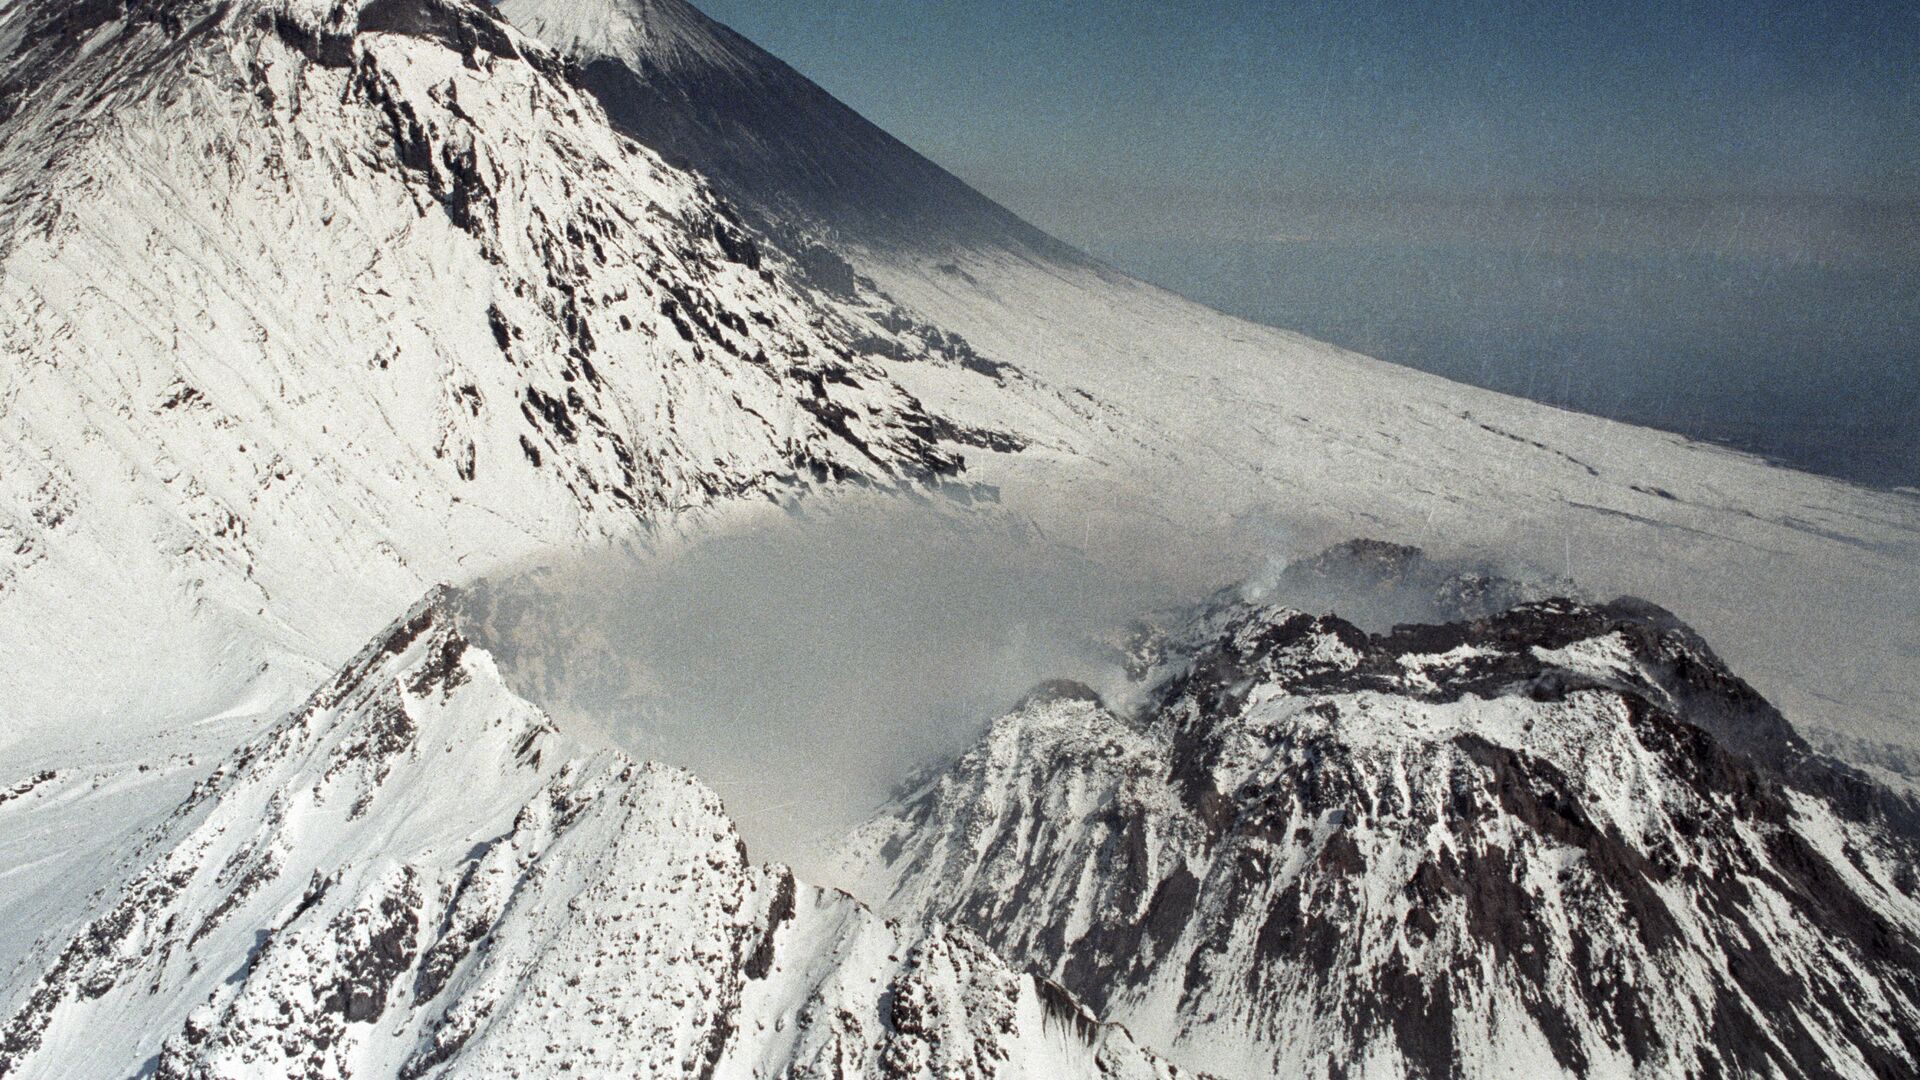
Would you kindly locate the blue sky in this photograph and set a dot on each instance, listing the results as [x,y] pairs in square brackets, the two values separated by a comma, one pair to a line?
[1100,117]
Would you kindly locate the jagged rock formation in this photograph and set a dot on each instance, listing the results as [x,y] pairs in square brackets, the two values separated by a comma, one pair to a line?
[1402,579]
[1560,840]
[416,875]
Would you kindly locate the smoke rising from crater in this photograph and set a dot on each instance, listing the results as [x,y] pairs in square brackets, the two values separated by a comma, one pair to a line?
[804,667]
[806,664]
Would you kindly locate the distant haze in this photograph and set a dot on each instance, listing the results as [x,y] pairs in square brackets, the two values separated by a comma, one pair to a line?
[1700,217]
[1810,364]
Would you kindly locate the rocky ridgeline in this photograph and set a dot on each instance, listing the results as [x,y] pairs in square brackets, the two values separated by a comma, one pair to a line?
[416,875]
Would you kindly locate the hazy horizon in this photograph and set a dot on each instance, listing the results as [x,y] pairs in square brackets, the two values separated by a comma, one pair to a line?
[1701,218]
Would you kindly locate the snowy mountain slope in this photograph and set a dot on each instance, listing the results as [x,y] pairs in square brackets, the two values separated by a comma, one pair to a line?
[67,813]
[415,874]
[1196,420]
[258,270]
[299,294]
[1810,586]
[1544,842]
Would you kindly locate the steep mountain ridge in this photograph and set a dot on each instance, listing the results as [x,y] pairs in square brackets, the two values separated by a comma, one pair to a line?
[415,874]
[1561,840]
[297,293]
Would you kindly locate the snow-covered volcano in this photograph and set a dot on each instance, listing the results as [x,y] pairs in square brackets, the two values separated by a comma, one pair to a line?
[306,305]
[300,294]
[299,297]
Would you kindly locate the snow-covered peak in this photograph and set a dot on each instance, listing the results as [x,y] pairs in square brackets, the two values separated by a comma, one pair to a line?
[662,34]
[801,164]
[1561,840]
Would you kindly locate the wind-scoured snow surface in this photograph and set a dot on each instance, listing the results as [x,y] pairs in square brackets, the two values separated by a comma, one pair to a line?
[1560,840]
[1194,420]
[415,874]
